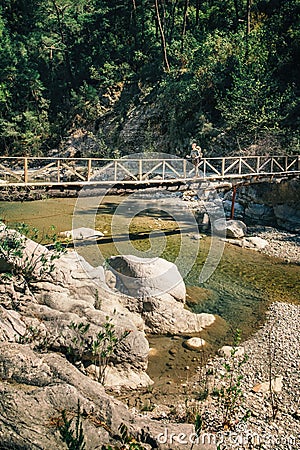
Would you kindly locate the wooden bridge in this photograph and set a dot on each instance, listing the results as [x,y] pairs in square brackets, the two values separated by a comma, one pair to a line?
[79,172]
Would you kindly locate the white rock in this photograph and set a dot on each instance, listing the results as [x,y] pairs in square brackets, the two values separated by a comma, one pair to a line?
[81,233]
[229,228]
[276,385]
[197,237]
[255,242]
[195,343]
[147,277]
[227,349]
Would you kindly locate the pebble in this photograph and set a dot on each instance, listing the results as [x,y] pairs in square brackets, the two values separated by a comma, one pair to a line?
[280,335]
[281,244]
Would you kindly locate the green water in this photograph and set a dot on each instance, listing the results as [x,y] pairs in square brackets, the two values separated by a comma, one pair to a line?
[239,290]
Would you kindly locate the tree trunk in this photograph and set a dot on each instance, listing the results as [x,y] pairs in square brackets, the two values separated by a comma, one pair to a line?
[183,32]
[237,16]
[248,24]
[162,38]
[197,11]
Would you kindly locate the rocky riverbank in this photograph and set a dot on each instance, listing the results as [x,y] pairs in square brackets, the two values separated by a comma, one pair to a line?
[232,397]
[281,244]
[62,328]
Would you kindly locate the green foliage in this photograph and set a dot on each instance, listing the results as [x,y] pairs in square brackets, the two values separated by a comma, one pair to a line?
[79,342]
[103,346]
[231,394]
[40,338]
[127,440]
[232,80]
[34,264]
[72,434]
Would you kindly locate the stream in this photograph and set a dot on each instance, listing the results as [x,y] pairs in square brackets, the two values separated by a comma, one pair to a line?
[238,292]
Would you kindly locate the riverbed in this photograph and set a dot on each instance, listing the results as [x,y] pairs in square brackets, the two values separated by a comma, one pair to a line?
[238,292]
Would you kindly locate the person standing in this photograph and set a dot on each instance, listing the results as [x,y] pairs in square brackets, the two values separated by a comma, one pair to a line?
[196,154]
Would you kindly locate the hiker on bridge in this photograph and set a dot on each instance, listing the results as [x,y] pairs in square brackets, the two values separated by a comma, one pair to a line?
[196,155]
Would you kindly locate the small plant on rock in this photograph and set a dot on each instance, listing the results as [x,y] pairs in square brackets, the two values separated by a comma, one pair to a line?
[230,394]
[34,264]
[128,442]
[79,341]
[103,346]
[72,433]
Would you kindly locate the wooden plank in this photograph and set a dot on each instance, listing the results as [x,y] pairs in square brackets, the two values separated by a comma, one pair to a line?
[74,171]
[41,170]
[25,170]
[89,169]
[127,171]
[213,168]
[292,163]
[278,165]
[172,169]
[247,165]
[223,166]
[104,168]
[184,168]
[6,169]
[58,171]
[264,164]
[145,175]
[140,169]
[231,166]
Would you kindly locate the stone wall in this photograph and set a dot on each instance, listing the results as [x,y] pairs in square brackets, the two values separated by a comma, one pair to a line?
[272,204]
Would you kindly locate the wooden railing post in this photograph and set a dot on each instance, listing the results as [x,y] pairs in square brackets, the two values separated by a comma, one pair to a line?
[184,168]
[116,170]
[89,169]
[223,167]
[25,170]
[58,170]
[140,169]
[233,202]
[257,164]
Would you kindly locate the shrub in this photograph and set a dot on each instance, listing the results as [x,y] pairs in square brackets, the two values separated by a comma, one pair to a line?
[35,264]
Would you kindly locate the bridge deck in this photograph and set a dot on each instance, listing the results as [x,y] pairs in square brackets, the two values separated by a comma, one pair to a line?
[78,172]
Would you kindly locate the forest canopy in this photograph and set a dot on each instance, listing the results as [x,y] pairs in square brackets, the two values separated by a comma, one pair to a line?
[225,73]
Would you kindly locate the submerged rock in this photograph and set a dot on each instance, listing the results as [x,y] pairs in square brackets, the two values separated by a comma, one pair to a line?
[195,343]
[82,234]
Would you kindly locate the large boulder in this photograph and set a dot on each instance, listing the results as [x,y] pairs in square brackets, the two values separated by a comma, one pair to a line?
[229,228]
[287,217]
[163,315]
[73,292]
[156,291]
[36,387]
[147,277]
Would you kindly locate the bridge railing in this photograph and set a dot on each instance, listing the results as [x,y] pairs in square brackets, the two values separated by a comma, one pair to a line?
[52,171]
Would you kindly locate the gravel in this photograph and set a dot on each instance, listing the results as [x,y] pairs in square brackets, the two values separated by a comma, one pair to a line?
[281,244]
[274,423]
